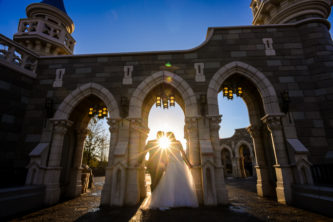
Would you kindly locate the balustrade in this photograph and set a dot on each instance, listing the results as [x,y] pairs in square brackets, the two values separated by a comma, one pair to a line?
[17,56]
[46,28]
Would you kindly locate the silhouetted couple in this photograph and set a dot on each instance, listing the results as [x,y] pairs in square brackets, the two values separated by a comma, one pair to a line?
[171,179]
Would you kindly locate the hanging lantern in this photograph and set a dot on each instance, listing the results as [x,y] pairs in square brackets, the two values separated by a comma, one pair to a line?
[101,112]
[158,101]
[230,94]
[225,91]
[91,112]
[105,112]
[165,102]
[230,91]
[239,91]
[172,101]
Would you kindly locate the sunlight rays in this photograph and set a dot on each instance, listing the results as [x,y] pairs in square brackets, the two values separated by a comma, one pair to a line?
[164,142]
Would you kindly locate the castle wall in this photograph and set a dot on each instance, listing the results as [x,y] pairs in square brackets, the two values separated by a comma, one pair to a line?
[301,65]
[15,94]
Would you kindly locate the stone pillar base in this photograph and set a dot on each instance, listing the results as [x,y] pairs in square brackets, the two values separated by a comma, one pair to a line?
[51,181]
[132,195]
[52,194]
[283,184]
[76,184]
[106,191]
[196,174]
[264,188]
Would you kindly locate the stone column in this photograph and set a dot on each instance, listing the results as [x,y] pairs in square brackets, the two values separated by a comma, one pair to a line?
[142,175]
[76,183]
[264,187]
[106,192]
[235,167]
[282,167]
[53,169]
[194,154]
[221,191]
[132,195]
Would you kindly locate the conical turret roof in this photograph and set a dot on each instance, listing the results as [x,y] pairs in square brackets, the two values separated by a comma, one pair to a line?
[56,3]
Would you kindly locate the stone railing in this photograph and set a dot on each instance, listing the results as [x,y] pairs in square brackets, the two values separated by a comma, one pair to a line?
[47,29]
[17,57]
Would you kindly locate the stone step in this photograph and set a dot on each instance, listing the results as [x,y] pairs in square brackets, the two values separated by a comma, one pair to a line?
[20,199]
[315,198]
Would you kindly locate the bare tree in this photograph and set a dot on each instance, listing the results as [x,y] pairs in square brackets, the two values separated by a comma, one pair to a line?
[96,143]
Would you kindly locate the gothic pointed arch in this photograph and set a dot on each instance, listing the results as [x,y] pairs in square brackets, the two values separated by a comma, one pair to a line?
[265,88]
[185,90]
[247,144]
[76,96]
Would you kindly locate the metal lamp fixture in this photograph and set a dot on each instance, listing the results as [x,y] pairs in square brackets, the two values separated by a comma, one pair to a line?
[229,91]
[98,111]
[162,99]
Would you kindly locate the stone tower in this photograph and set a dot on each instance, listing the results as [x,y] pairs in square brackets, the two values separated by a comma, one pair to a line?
[47,30]
[288,11]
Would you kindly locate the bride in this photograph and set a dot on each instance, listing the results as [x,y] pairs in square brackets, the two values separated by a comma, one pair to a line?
[176,187]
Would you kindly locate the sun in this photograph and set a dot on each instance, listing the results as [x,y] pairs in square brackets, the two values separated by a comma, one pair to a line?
[164,142]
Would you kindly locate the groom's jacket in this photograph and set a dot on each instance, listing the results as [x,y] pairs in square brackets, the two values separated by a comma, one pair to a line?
[155,155]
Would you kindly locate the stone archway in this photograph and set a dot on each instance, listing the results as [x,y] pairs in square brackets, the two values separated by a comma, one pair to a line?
[244,160]
[83,91]
[266,122]
[227,161]
[63,123]
[190,101]
[139,108]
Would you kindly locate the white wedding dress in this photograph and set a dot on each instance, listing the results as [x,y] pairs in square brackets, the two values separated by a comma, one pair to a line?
[176,187]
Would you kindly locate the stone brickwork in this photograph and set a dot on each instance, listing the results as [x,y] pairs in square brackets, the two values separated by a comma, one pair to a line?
[285,69]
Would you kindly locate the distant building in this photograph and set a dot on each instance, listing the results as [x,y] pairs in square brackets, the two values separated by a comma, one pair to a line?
[237,155]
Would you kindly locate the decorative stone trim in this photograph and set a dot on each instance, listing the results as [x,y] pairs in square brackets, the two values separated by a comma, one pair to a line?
[113,125]
[191,123]
[265,87]
[136,124]
[59,76]
[185,90]
[76,96]
[254,131]
[273,121]
[269,50]
[61,125]
[17,57]
[199,76]
[127,80]
[215,122]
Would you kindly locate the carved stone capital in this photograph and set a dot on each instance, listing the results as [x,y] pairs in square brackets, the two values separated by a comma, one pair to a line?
[113,125]
[254,131]
[191,123]
[273,122]
[61,125]
[214,122]
[136,124]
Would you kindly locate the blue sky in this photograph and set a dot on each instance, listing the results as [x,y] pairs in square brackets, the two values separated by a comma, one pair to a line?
[107,26]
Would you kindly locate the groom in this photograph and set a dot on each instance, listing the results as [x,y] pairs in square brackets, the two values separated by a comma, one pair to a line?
[156,162]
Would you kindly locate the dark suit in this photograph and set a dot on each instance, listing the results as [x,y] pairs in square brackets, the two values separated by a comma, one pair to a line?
[154,163]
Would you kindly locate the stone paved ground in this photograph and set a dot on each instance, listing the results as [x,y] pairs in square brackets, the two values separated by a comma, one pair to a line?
[245,205]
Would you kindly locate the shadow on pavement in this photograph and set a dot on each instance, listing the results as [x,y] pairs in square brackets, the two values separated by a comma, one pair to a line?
[211,214]
[118,214]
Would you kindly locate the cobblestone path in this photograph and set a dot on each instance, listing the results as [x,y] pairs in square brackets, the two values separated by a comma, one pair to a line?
[245,205]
